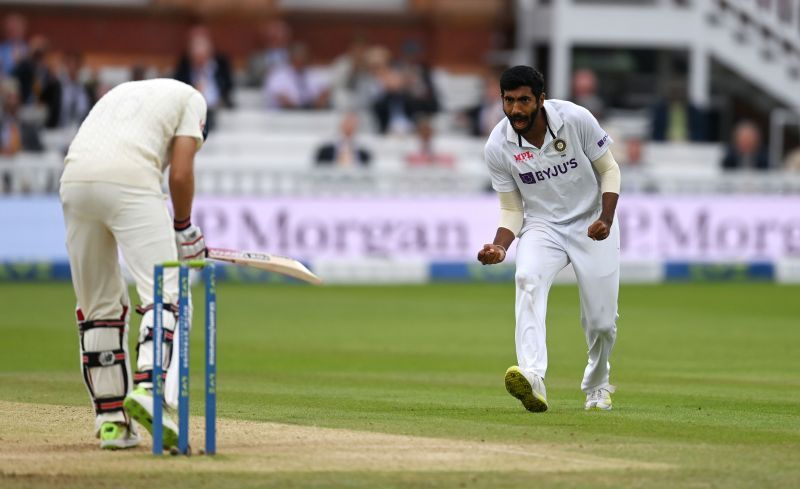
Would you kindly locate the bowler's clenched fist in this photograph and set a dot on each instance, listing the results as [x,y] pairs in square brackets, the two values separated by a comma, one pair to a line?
[491,254]
[599,230]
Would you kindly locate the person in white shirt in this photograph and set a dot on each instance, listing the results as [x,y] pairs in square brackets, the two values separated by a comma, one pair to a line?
[294,85]
[558,185]
[112,200]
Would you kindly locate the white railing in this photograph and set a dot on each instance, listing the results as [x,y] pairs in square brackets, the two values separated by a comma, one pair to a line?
[741,182]
[331,181]
[30,173]
[40,174]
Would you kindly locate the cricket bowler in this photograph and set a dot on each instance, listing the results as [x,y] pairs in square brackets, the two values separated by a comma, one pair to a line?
[558,185]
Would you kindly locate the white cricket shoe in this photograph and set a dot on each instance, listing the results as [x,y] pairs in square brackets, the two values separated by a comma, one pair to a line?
[533,395]
[600,399]
[114,436]
[139,406]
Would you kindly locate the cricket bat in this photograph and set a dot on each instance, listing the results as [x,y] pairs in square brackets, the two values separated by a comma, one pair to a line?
[265,261]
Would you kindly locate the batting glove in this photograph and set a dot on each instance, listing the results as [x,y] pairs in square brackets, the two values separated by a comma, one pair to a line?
[190,241]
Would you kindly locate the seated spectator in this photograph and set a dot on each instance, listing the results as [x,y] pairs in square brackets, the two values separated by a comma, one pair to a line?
[406,92]
[76,96]
[636,176]
[353,80]
[14,48]
[16,134]
[584,92]
[676,119]
[38,86]
[271,52]
[138,72]
[427,156]
[746,152]
[418,79]
[208,71]
[344,152]
[294,86]
[483,117]
[793,161]
[393,107]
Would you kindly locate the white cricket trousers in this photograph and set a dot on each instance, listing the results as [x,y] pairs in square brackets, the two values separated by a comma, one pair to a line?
[103,219]
[543,251]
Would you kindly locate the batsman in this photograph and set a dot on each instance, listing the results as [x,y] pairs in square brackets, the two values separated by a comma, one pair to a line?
[558,184]
[112,199]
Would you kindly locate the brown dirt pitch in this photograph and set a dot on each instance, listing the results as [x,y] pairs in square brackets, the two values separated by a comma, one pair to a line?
[54,441]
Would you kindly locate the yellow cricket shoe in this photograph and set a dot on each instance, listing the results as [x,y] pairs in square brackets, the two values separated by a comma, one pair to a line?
[533,397]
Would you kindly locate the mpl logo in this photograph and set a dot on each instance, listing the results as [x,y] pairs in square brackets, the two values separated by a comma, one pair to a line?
[524,156]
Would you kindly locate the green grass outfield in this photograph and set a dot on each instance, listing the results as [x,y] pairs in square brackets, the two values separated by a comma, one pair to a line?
[708,379]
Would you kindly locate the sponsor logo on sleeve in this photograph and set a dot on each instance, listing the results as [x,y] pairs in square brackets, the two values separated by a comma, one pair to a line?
[603,141]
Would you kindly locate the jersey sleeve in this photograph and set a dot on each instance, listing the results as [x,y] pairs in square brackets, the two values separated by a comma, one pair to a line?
[502,180]
[594,140]
[193,119]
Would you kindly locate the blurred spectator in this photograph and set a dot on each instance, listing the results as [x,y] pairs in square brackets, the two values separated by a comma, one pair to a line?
[393,108]
[10,127]
[353,81]
[675,119]
[138,72]
[793,161]
[16,134]
[482,118]
[427,155]
[406,92]
[746,151]
[272,51]
[344,152]
[76,96]
[418,79]
[94,87]
[294,86]
[13,48]
[209,72]
[635,172]
[584,92]
[377,60]
[37,83]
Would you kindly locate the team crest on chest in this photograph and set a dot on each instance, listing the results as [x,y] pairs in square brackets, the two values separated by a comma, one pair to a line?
[560,145]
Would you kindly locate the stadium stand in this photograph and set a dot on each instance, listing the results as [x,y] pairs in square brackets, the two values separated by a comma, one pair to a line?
[258,151]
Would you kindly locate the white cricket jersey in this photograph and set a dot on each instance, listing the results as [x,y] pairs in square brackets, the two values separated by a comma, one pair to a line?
[127,136]
[557,181]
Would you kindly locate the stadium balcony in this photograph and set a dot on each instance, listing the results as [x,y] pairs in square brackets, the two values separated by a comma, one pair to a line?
[759,40]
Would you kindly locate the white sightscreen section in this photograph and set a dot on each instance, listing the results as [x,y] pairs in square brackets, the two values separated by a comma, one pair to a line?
[349,5]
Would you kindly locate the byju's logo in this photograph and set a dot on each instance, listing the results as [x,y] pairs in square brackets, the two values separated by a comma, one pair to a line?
[548,173]
[524,156]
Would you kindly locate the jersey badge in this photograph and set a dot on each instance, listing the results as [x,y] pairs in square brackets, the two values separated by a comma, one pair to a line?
[560,145]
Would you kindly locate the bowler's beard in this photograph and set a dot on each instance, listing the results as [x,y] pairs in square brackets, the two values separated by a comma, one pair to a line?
[527,127]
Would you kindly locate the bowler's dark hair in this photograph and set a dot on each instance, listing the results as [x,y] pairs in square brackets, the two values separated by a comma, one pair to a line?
[522,76]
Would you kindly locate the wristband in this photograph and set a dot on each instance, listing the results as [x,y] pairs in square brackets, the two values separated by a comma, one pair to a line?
[182,224]
[502,248]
